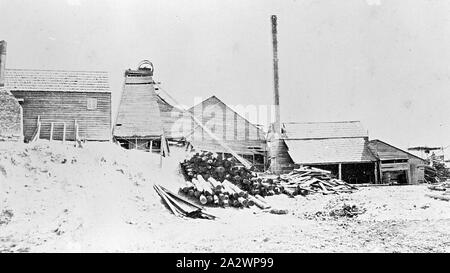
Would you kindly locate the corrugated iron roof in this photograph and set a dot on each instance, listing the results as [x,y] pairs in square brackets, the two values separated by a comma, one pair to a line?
[332,150]
[56,80]
[323,130]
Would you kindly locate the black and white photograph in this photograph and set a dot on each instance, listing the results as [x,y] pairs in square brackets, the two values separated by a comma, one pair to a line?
[221,126]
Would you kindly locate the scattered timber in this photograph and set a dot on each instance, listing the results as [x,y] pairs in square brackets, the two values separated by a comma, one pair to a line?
[438,196]
[181,207]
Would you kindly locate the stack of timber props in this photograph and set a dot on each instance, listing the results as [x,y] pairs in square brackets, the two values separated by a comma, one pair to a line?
[222,181]
[444,188]
[180,206]
[225,193]
[307,180]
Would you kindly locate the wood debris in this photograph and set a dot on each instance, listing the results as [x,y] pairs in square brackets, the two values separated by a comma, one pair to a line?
[306,180]
[181,207]
[443,187]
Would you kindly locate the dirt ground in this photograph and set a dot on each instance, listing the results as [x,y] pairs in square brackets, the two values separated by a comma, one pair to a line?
[58,198]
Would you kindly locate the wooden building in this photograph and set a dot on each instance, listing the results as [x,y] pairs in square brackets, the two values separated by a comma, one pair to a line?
[344,149]
[245,138]
[64,103]
[145,119]
[397,165]
[336,146]
[138,124]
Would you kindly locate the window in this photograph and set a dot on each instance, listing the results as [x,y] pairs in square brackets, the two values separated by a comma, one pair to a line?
[91,103]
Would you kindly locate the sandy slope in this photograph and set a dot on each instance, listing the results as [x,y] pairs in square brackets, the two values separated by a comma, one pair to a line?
[59,198]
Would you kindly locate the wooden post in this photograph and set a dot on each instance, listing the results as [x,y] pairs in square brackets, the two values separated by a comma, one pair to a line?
[380,172]
[265,162]
[38,135]
[375,170]
[160,154]
[51,131]
[76,131]
[408,177]
[340,171]
[38,130]
[64,133]
[151,146]
[135,143]
[22,136]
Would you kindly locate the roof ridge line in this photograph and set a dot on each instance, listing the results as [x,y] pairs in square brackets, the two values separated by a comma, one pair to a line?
[312,122]
[54,70]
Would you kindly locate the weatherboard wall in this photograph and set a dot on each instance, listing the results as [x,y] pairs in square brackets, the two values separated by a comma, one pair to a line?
[66,107]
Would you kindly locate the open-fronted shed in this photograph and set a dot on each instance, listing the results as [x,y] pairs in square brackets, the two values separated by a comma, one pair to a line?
[340,147]
[397,165]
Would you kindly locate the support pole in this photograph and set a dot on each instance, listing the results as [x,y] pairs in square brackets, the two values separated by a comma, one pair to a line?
[76,131]
[51,131]
[38,130]
[340,171]
[151,146]
[22,136]
[64,133]
[375,171]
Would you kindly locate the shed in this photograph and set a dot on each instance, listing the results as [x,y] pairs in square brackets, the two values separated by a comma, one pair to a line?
[336,146]
[397,165]
[245,138]
[63,101]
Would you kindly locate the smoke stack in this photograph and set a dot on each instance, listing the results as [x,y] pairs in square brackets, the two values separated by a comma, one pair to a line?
[277,123]
[2,62]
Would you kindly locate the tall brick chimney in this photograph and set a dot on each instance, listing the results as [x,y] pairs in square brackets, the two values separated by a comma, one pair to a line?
[2,62]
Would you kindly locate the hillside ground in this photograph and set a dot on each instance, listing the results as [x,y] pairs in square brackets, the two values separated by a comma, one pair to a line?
[58,198]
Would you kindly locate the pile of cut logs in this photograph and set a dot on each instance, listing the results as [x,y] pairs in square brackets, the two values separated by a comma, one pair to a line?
[222,181]
[222,193]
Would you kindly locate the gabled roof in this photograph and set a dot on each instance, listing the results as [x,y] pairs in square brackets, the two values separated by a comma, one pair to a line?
[386,151]
[237,132]
[139,114]
[214,101]
[333,150]
[324,130]
[56,80]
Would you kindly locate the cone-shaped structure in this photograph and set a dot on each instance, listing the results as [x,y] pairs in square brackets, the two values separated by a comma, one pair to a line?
[278,152]
[139,119]
[139,114]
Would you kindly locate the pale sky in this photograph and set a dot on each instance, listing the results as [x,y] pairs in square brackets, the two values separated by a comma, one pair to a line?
[386,63]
